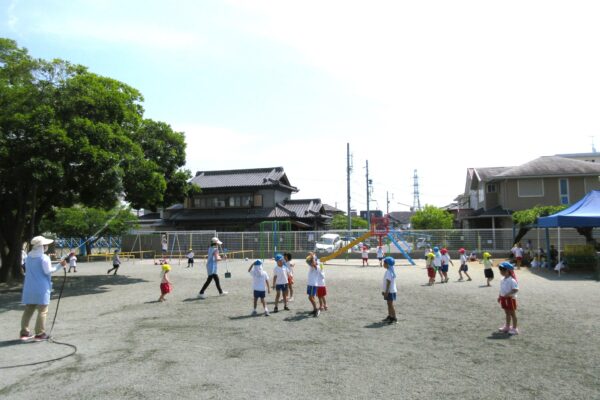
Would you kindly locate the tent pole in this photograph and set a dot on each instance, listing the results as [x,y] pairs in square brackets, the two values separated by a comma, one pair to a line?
[558,259]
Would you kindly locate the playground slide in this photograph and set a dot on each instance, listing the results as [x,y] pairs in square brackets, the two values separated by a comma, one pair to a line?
[345,248]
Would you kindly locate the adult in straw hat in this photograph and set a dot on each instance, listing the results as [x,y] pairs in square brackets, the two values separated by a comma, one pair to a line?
[37,288]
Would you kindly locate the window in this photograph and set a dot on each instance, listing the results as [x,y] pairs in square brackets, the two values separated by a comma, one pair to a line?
[530,187]
[246,201]
[258,200]
[563,189]
[491,188]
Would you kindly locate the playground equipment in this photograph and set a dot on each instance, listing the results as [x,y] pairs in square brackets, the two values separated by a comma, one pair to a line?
[380,227]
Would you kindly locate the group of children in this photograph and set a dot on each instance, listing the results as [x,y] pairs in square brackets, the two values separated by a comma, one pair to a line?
[438,261]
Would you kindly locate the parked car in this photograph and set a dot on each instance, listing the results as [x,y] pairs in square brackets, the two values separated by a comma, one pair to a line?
[346,240]
[328,243]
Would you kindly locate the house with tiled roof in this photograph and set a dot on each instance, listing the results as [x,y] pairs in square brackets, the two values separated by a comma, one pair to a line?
[239,200]
[493,194]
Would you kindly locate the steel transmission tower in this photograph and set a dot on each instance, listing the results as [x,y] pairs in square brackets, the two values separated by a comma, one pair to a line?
[416,198]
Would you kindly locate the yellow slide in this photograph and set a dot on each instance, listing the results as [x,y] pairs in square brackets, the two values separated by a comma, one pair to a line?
[345,248]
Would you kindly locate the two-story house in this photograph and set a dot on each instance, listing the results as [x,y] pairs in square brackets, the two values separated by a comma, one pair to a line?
[493,194]
[239,200]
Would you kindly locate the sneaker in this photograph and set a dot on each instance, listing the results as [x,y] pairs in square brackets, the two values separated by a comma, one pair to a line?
[460,279]
[286,308]
[290,299]
[267,313]
[317,313]
[504,329]
[513,331]
[223,293]
[41,337]
[275,310]
[469,279]
[325,308]
[201,296]
[26,335]
[254,312]
[392,321]
[386,319]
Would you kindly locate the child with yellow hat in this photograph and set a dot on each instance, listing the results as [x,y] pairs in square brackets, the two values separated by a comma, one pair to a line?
[487,267]
[430,268]
[165,283]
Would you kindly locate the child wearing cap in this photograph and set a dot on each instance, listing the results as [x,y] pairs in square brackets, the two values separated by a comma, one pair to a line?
[430,268]
[116,262]
[165,284]
[487,267]
[446,261]
[260,285]
[287,257]
[280,282]
[380,255]
[463,265]
[313,279]
[321,288]
[389,289]
[508,298]
[72,259]
[190,257]
[437,262]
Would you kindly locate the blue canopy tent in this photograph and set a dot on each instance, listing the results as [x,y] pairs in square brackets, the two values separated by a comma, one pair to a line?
[583,214]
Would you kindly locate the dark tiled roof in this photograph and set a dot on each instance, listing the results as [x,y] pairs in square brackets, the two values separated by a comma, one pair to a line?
[485,174]
[497,211]
[238,178]
[402,217]
[551,166]
[304,208]
[331,209]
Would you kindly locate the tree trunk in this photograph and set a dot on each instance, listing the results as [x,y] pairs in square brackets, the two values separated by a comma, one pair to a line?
[589,238]
[522,232]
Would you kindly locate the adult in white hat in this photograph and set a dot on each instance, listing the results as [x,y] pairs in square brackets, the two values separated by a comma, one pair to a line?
[37,288]
[211,267]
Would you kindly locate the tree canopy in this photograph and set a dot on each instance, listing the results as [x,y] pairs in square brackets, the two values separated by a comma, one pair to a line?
[340,221]
[431,217]
[69,136]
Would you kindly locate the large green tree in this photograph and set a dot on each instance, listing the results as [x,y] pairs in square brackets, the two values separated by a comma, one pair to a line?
[431,217]
[69,136]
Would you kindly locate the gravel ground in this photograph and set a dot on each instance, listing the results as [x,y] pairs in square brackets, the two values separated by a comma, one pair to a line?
[444,346]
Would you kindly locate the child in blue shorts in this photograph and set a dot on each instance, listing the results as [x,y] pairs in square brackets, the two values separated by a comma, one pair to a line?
[280,282]
[260,285]
[389,289]
[313,280]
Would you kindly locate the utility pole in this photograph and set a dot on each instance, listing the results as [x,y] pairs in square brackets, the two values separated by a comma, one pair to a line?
[368,196]
[348,172]
[387,201]
[416,196]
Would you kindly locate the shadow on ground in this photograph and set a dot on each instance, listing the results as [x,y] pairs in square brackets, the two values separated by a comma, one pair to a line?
[80,285]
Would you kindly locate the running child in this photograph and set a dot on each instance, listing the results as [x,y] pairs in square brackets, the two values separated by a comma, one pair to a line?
[389,289]
[463,265]
[280,283]
[165,284]
[72,259]
[431,269]
[445,264]
[313,278]
[190,257]
[290,267]
[517,252]
[321,289]
[380,255]
[116,261]
[487,267]
[508,298]
[260,285]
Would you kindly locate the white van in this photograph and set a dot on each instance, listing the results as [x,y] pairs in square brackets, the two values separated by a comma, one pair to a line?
[328,243]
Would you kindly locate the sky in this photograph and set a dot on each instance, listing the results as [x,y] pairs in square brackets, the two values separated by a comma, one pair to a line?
[432,86]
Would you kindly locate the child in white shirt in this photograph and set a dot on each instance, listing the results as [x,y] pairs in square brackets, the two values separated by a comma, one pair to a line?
[290,266]
[380,255]
[313,279]
[280,282]
[389,289]
[72,261]
[190,257]
[365,256]
[260,285]
[463,265]
[446,261]
[321,288]
[508,298]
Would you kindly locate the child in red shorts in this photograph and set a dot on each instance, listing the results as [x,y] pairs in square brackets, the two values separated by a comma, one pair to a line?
[165,283]
[508,298]
[321,289]
[430,268]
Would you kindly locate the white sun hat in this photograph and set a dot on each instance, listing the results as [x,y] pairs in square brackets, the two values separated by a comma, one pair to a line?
[40,241]
[215,240]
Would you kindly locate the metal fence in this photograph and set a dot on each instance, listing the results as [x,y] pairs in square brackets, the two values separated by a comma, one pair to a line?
[263,244]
